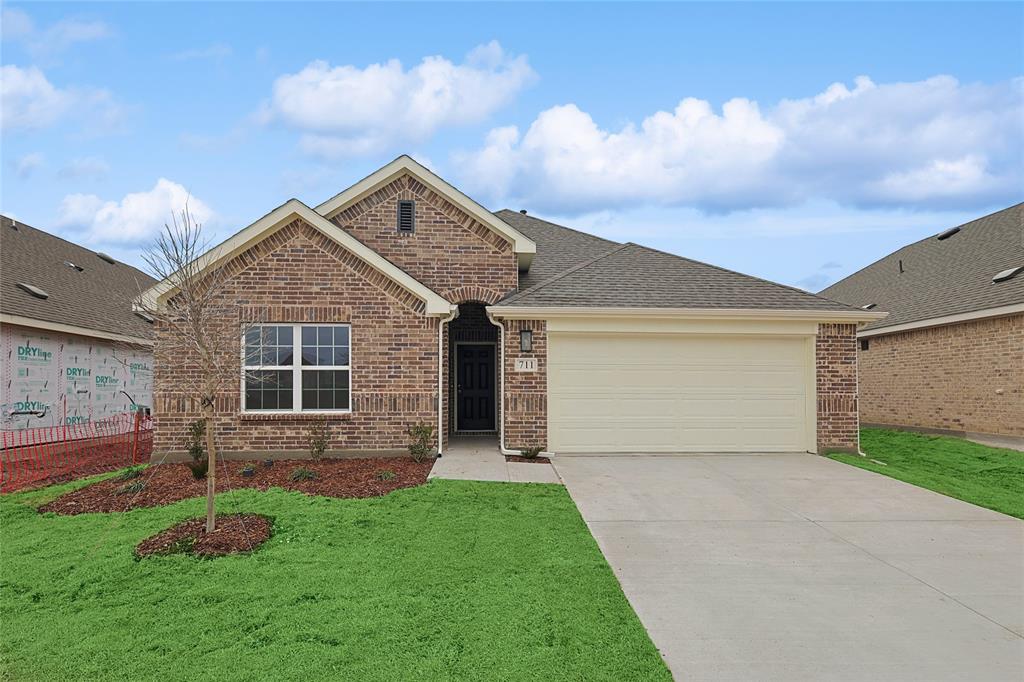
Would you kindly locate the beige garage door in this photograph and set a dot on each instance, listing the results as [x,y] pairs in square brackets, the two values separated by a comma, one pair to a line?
[679,393]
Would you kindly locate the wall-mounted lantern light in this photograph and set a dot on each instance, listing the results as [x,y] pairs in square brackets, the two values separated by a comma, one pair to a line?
[526,340]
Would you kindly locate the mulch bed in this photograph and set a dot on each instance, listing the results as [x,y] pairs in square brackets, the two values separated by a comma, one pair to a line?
[167,483]
[233,534]
[528,460]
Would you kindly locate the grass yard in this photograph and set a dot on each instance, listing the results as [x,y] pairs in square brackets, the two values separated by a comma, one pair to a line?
[979,474]
[451,580]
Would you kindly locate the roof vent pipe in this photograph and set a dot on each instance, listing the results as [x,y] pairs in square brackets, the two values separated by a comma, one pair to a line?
[901,266]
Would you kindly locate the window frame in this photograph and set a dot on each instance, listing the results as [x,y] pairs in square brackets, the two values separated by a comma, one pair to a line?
[297,368]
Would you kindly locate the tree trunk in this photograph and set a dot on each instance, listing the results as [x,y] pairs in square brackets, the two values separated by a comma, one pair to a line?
[211,470]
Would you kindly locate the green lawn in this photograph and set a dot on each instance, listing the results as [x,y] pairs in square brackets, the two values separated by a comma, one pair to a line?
[985,476]
[451,580]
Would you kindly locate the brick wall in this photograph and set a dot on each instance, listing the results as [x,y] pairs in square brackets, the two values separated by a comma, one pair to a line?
[450,251]
[526,399]
[298,275]
[836,357]
[961,377]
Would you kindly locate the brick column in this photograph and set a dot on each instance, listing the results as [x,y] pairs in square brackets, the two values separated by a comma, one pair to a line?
[836,354]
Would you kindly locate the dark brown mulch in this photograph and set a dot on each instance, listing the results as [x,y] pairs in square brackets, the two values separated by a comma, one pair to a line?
[233,534]
[528,460]
[167,483]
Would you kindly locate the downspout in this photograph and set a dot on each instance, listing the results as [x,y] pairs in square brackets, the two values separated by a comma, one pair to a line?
[441,321]
[501,386]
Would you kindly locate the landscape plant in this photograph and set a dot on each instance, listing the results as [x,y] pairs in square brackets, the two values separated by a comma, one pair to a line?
[421,446]
[319,438]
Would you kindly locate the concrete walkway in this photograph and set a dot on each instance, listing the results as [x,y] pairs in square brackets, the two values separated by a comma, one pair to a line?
[796,567]
[476,458]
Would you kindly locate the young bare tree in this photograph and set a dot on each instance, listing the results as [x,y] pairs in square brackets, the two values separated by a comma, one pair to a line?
[196,326]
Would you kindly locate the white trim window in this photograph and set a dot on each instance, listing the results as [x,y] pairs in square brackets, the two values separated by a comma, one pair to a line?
[297,368]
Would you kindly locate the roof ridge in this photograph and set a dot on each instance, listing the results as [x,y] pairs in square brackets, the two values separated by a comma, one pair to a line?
[559,226]
[742,274]
[565,273]
[919,241]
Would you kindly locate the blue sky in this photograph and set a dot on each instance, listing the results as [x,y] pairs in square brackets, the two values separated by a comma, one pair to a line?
[796,142]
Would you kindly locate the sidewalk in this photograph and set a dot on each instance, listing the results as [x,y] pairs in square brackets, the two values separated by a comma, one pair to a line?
[476,458]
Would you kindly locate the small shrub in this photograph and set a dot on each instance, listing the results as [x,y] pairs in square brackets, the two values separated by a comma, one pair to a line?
[130,473]
[248,471]
[530,453]
[422,439]
[131,488]
[386,475]
[302,474]
[319,439]
[199,464]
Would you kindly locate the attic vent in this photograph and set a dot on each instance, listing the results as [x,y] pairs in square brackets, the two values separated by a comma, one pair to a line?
[1008,274]
[946,234]
[144,316]
[35,291]
[72,265]
[869,306]
[406,217]
[105,257]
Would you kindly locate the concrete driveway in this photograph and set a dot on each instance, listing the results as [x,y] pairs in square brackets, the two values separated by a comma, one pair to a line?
[795,567]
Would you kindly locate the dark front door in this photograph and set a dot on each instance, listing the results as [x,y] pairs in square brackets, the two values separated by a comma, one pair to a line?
[474,377]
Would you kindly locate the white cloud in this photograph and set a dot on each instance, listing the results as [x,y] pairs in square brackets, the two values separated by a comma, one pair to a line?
[55,38]
[91,167]
[345,110]
[136,218]
[933,142]
[29,101]
[28,164]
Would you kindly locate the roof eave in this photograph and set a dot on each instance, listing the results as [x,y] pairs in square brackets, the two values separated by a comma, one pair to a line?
[1000,311]
[514,312]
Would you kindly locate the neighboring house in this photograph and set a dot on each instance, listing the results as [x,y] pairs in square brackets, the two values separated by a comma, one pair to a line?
[950,355]
[72,350]
[408,302]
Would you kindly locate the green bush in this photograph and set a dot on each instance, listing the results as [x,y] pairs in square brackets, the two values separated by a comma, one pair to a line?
[130,473]
[530,453]
[199,464]
[302,474]
[386,475]
[131,488]
[421,446]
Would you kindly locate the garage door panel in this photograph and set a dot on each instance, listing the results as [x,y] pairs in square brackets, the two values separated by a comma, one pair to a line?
[677,393]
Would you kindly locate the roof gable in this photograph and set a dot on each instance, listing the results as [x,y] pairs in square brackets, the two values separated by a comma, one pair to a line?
[937,278]
[279,218]
[523,246]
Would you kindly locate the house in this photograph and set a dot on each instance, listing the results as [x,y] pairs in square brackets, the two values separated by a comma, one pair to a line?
[73,351]
[409,302]
[950,355]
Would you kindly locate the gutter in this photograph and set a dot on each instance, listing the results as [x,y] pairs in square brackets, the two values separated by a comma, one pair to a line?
[514,312]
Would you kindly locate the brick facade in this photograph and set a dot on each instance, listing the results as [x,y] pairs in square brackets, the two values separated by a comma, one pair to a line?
[966,377]
[299,275]
[836,379]
[526,393]
[451,252]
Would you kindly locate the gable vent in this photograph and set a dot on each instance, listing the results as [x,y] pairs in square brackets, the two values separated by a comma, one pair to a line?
[1007,274]
[105,257]
[946,234]
[407,217]
[35,291]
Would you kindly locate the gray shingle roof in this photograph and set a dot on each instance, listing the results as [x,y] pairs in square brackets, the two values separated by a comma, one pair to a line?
[946,277]
[634,276]
[99,297]
[558,248]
